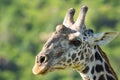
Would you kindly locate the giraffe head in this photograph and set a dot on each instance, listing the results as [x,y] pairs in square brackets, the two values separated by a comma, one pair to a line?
[70,45]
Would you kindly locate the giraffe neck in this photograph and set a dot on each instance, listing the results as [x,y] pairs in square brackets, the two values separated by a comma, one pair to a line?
[99,68]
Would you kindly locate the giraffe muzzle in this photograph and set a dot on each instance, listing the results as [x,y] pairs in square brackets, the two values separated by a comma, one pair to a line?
[40,66]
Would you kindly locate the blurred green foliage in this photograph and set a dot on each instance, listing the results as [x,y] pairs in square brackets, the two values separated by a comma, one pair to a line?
[24,22]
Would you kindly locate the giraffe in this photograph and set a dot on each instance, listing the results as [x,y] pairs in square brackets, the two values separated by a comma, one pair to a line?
[74,46]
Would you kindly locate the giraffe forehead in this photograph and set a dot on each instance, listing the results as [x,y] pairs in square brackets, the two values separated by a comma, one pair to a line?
[61,34]
[56,39]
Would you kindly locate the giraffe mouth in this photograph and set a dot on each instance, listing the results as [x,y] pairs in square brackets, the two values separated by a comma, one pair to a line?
[41,70]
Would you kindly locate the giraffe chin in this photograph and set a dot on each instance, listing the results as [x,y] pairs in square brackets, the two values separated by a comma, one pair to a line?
[37,70]
[56,68]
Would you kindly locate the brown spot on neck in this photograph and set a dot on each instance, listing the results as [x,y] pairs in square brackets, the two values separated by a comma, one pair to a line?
[73,56]
[91,58]
[86,70]
[101,77]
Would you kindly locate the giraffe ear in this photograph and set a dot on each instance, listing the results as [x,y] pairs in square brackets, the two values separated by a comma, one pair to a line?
[104,38]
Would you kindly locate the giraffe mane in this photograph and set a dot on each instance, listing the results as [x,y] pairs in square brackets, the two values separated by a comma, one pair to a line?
[107,60]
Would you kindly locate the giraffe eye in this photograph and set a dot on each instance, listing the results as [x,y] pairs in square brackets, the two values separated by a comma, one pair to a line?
[76,42]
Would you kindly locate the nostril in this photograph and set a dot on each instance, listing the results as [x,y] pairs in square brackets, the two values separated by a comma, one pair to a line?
[42,59]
